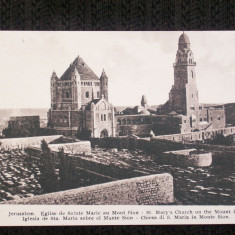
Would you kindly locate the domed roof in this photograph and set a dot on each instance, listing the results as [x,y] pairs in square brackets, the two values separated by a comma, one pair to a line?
[183,38]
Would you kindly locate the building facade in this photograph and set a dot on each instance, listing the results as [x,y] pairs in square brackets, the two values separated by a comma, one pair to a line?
[77,98]
[141,120]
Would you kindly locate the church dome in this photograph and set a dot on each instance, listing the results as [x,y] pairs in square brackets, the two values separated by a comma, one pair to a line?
[184,38]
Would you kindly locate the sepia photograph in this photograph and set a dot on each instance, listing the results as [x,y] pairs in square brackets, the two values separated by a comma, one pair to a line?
[117,118]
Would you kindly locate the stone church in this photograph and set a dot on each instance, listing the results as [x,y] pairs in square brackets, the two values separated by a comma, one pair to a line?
[79,103]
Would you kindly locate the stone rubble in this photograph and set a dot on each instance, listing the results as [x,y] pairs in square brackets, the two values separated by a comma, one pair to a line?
[212,185]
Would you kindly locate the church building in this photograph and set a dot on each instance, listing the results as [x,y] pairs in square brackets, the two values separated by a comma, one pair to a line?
[79,103]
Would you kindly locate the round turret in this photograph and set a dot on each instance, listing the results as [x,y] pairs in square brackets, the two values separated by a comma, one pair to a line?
[144,101]
[104,85]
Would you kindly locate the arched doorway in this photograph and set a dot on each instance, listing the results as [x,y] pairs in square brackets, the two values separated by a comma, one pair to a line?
[104,133]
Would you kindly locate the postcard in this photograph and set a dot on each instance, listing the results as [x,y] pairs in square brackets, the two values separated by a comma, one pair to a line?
[107,128]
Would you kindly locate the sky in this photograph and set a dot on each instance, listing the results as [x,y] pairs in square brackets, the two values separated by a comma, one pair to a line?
[136,63]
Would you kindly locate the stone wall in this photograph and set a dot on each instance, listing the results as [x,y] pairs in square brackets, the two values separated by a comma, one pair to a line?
[25,142]
[143,124]
[146,190]
[153,146]
[81,147]
[199,135]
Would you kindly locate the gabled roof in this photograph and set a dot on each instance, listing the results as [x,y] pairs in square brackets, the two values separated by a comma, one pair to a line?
[83,69]
[95,101]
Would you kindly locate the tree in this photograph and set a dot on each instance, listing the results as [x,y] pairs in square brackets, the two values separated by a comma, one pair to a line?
[66,170]
[48,177]
[220,139]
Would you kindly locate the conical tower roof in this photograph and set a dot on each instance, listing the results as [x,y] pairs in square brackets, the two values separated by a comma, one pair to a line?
[103,75]
[54,75]
[83,69]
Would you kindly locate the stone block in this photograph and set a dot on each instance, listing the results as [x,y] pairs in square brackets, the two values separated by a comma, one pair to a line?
[188,157]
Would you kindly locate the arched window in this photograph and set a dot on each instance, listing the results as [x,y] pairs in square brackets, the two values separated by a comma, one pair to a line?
[87,94]
[97,117]
[67,95]
[103,106]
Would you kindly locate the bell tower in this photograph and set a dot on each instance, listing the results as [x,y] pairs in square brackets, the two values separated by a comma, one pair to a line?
[183,97]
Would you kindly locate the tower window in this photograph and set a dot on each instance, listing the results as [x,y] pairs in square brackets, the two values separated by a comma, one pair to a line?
[87,94]
[104,117]
[101,117]
[192,73]
[67,95]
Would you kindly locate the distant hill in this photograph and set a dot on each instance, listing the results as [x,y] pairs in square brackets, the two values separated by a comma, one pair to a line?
[7,113]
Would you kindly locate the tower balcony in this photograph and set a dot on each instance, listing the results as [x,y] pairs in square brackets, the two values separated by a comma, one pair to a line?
[183,64]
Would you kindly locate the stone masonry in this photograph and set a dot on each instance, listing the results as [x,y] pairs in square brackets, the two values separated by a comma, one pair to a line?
[146,190]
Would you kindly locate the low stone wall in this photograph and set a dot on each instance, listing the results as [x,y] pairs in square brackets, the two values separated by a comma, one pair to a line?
[81,147]
[21,143]
[194,136]
[189,158]
[146,190]
[153,146]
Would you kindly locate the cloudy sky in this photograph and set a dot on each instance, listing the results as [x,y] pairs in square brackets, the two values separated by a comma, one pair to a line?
[136,63]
